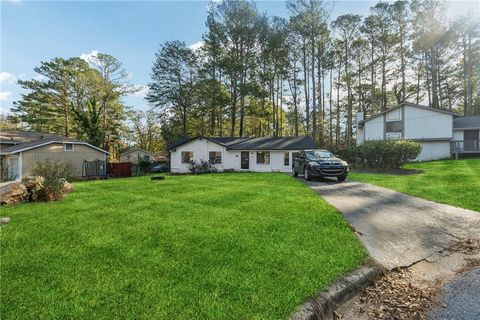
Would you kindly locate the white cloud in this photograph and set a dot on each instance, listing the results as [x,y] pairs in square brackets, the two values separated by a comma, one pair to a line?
[6,77]
[40,77]
[5,95]
[91,57]
[142,90]
[197,45]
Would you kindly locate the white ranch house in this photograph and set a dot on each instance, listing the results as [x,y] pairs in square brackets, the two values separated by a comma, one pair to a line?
[264,154]
[441,133]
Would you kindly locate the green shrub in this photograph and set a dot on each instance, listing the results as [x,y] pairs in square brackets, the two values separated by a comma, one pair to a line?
[143,165]
[392,154]
[351,154]
[387,154]
[56,175]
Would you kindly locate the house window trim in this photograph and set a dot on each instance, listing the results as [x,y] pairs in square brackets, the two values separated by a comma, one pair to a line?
[286,156]
[397,121]
[221,157]
[65,147]
[181,157]
[264,163]
[19,173]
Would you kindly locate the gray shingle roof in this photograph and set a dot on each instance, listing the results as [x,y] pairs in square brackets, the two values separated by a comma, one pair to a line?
[273,143]
[33,139]
[257,143]
[469,122]
[19,136]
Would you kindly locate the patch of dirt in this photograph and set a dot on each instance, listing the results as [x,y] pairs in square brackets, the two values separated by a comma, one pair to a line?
[467,246]
[394,172]
[471,264]
[395,296]
[410,293]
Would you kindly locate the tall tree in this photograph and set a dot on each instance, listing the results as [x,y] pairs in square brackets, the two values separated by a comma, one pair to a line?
[174,75]
[347,27]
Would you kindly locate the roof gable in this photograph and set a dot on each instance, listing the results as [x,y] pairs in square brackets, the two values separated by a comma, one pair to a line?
[410,105]
[135,149]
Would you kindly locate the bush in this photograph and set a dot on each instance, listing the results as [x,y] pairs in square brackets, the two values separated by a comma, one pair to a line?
[144,165]
[350,154]
[202,167]
[386,154]
[53,184]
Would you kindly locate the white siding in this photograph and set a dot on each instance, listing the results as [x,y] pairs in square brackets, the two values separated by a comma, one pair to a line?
[458,135]
[200,149]
[374,129]
[434,150]
[230,159]
[394,115]
[426,124]
[360,136]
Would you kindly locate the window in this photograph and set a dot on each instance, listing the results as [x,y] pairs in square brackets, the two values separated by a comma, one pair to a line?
[215,157]
[146,158]
[394,126]
[68,146]
[286,159]
[187,156]
[263,157]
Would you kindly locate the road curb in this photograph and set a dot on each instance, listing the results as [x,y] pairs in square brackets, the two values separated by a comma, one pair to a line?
[324,304]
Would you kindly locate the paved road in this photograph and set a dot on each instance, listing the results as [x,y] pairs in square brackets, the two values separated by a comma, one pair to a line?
[398,229]
[462,298]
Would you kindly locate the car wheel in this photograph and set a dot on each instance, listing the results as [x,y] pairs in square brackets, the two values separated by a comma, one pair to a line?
[306,175]
[341,178]
[294,172]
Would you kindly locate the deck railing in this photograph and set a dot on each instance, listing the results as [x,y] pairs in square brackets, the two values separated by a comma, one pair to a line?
[465,146]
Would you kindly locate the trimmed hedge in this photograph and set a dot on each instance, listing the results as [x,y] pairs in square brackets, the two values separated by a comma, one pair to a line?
[388,154]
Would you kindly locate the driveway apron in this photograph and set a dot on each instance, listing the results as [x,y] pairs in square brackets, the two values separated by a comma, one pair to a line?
[397,229]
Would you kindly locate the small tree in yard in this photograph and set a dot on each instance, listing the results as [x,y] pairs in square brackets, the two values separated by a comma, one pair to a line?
[144,164]
[53,184]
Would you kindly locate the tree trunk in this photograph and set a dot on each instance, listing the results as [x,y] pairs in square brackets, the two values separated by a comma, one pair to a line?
[314,93]
[349,97]
[372,78]
[330,131]
[306,86]
[402,62]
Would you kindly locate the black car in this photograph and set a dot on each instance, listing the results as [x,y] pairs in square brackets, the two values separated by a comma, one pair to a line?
[318,164]
[158,168]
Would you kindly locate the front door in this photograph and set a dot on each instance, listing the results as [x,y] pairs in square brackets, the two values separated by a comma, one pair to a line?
[245,160]
[471,138]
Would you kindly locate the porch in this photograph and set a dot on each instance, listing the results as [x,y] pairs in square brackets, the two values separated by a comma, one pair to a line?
[465,147]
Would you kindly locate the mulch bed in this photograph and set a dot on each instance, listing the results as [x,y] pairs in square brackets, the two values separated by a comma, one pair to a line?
[394,172]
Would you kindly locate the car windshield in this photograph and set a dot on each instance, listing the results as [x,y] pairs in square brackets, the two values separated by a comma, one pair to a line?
[317,154]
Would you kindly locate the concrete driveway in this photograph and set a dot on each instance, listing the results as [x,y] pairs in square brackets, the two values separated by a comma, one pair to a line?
[398,229]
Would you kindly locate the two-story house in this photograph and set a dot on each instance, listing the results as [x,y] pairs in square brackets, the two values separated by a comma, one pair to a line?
[432,128]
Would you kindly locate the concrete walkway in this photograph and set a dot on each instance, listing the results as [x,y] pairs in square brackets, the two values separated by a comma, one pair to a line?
[398,229]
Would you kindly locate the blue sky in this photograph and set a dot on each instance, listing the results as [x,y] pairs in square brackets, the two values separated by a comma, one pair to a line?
[34,31]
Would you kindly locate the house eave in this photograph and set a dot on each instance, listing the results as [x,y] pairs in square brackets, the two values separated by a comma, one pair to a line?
[51,142]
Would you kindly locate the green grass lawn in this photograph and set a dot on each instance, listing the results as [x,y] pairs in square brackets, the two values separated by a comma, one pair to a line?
[223,246]
[455,182]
